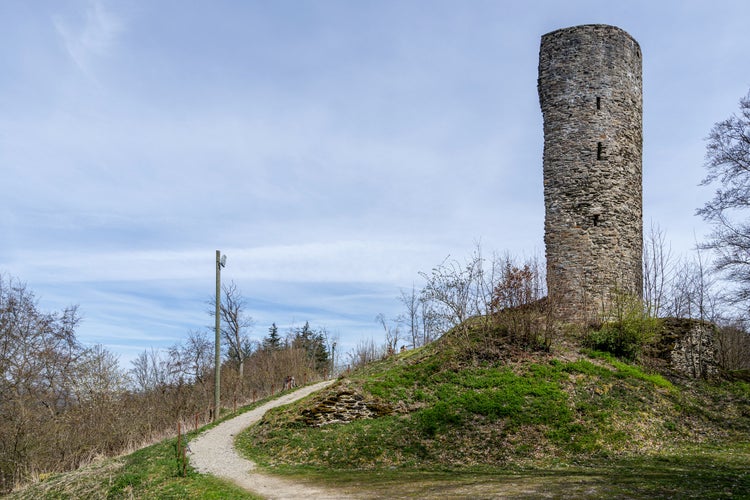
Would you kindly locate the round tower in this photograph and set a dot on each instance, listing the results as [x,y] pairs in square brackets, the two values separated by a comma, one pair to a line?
[590,92]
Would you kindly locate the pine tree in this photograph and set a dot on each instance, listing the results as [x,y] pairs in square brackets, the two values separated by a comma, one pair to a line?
[273,341]
[314,344]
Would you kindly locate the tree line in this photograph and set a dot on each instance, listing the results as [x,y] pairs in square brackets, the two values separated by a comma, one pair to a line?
[52,386]
[506,299]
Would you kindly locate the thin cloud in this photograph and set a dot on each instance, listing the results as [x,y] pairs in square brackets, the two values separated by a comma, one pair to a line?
[312,262]
[91,38]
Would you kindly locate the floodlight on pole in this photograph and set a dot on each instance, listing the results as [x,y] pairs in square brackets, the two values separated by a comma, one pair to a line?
[221,261]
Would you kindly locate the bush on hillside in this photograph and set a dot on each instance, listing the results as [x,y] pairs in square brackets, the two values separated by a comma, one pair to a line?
[628,332]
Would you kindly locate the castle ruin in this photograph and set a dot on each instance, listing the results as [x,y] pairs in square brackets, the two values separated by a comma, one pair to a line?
[590,92]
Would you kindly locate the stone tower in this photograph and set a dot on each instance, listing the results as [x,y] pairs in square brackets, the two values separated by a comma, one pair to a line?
[590,91]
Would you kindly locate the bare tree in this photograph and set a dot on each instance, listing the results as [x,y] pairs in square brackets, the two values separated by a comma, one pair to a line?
[433,323]
[365,352]
[693,293]
[516,305]
[410,300]
[235,325]
[517,286]
[150,370]
[657,270]
[98,373]
[392,333]
[39,357]
[728,163]
[734,346]
[194,356]
[451,288]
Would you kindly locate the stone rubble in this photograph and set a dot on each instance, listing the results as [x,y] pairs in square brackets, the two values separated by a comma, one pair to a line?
[344,406]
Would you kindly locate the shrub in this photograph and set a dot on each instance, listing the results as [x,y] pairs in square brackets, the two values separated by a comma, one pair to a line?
[629,330]
[518,306]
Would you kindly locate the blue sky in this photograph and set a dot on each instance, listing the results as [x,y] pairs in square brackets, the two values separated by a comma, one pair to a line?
[332,149]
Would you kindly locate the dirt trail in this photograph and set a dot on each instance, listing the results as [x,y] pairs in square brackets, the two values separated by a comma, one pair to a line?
[213,452]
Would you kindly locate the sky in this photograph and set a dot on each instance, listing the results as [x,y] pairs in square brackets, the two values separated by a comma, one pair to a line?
[333,150]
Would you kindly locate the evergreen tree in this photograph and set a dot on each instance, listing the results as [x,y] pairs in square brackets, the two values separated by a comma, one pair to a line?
[273,341]
[314,344]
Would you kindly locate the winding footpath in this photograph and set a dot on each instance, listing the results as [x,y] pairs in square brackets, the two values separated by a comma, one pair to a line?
[212,452]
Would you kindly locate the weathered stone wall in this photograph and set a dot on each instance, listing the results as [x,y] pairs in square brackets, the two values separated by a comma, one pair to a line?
[343,406]
[590,91]
[689,347]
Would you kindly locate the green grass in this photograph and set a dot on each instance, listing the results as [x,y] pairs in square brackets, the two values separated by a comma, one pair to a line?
[468,421]
[624,370]
[151,472]
[588,406]
[154,472]
[689,472]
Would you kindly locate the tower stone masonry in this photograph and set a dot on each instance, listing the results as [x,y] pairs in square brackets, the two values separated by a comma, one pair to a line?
[590,92]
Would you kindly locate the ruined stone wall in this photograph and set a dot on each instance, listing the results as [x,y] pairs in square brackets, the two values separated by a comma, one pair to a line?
[690,347]
[342,406]
[590,91]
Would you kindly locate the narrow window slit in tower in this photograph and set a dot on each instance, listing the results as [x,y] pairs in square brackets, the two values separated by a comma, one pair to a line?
[598,103]
[599,151]
[596,220]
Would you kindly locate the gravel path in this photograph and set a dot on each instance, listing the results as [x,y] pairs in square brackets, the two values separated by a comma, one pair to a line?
[213,452]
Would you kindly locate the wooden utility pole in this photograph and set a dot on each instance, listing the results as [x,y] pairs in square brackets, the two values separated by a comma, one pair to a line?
[221,261]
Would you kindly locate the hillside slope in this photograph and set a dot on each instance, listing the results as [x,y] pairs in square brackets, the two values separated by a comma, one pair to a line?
[468,402]
[471,416]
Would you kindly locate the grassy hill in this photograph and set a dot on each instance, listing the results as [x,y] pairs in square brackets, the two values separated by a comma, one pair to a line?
[470,416]
[471,403]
